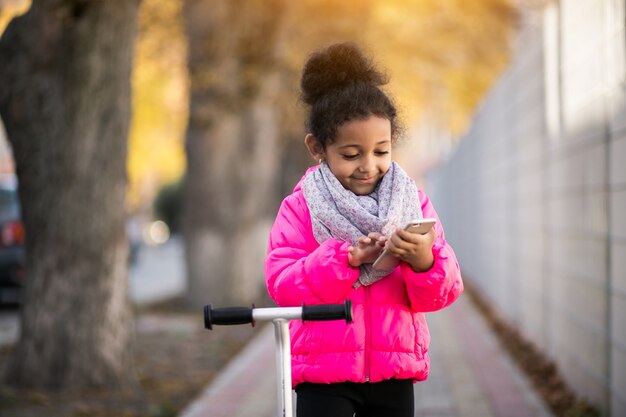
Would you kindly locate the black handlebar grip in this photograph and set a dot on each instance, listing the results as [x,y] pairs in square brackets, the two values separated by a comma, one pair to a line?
[328,312]
[227,316]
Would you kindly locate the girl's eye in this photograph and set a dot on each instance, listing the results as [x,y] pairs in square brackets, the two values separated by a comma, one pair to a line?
[352,156]
[382,152]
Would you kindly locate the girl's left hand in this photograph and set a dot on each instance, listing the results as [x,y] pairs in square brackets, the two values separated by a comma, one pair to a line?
[413,248]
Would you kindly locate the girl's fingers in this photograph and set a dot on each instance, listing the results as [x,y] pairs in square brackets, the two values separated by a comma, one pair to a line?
[377,239]
[400,246]
[397,242]
[408,236]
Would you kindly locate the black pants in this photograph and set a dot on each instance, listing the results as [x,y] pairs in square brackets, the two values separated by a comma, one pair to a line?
[393,398]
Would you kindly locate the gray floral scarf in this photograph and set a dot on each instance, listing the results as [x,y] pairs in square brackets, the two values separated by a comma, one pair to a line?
[339,213]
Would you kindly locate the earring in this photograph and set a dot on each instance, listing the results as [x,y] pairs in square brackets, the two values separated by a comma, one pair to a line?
[321,160]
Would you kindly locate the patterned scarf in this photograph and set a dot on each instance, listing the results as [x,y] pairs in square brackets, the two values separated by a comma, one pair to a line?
[339,213]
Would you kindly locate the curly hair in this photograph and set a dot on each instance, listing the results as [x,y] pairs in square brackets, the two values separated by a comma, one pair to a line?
[341,84]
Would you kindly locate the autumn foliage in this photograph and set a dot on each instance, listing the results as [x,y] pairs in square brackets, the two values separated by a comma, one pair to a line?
[442,55]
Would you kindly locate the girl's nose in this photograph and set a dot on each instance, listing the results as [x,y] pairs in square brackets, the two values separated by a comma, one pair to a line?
[367,164]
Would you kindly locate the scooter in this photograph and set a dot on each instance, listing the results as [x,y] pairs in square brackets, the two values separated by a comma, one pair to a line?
[280,317]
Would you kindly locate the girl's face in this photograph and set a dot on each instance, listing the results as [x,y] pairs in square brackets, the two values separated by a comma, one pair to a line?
[361,153]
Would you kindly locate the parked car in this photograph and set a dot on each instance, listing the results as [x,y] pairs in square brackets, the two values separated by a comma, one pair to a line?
[12,252]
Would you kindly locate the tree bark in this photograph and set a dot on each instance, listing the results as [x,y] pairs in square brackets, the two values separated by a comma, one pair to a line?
[231,146]
[65,102]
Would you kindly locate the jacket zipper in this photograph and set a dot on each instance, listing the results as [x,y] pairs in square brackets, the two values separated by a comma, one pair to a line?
[368,333]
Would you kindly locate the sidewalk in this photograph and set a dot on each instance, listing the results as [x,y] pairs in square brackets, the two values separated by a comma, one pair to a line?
[471,375]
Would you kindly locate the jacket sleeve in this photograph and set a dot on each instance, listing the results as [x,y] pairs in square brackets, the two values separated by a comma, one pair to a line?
[441,285]
[297,269]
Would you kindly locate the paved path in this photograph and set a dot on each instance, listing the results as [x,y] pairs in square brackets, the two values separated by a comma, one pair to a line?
[471,375]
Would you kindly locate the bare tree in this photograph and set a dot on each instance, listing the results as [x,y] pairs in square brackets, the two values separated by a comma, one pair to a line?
[65,102]
[231,146]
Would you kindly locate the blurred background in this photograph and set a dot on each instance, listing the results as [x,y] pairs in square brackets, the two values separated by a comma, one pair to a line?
[515,122]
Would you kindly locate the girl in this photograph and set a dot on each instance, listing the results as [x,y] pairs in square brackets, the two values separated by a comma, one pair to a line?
[330,230]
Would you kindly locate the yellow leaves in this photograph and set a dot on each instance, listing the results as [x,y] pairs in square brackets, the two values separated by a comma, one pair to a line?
[160,101]
[10,9]
[440,54]
[446,52]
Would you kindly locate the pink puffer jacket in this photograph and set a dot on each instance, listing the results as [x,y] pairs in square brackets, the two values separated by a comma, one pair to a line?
[388,337]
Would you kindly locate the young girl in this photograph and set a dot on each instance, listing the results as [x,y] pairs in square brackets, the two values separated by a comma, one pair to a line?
[328,233]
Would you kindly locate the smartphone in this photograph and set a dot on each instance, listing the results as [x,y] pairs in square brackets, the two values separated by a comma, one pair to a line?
[386,260]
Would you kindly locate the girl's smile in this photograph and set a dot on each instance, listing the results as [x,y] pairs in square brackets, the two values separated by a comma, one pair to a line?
[366,180]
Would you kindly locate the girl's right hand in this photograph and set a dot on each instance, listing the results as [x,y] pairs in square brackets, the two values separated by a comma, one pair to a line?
[367,249]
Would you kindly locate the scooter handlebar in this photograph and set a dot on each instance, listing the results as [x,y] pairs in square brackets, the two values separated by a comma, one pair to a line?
[321,312]
[227,316]
[244,315]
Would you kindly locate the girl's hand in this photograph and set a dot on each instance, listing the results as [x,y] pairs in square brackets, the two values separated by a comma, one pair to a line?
[413,248]
[367,249]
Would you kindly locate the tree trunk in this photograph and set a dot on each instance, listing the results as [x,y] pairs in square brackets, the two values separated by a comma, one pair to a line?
[231,145]
[65,102]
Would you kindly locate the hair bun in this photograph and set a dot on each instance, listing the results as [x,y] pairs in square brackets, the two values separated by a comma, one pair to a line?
[335,68]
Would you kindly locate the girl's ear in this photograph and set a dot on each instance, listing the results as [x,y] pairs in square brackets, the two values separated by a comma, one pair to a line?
[315,147]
